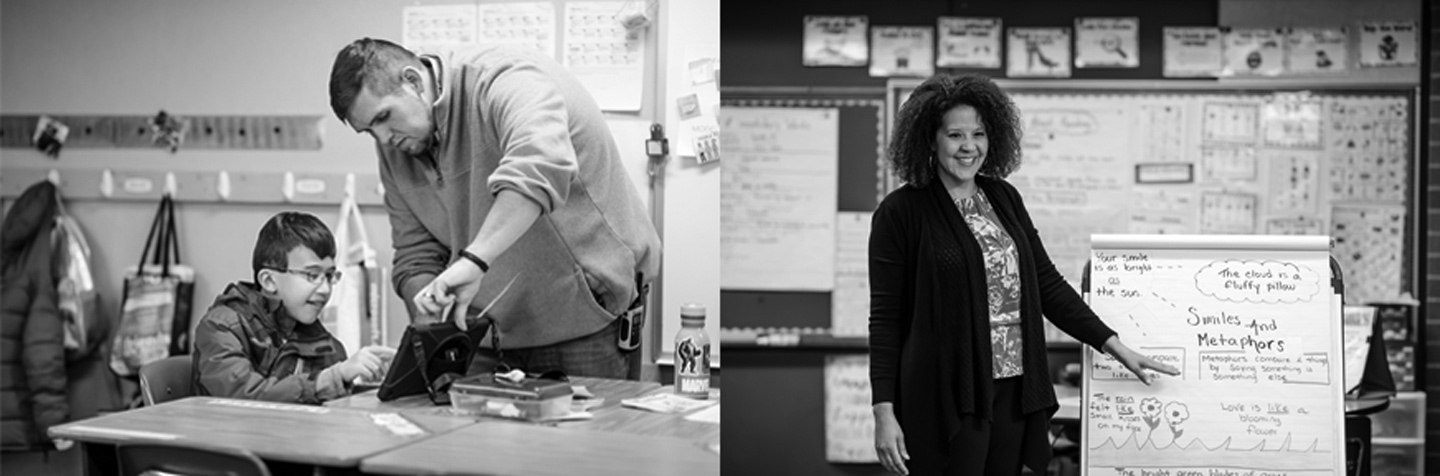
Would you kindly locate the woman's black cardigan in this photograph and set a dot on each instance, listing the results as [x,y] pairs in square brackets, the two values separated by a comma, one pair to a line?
[929,320]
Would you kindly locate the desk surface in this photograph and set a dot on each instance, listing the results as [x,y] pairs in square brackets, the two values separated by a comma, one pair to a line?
[622,419]
[503,448]
[609,416]
[305,434]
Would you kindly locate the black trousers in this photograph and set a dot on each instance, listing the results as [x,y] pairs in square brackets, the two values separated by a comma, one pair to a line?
[991,448]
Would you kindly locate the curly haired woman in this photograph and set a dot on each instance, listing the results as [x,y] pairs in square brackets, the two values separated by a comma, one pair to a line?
[959,282]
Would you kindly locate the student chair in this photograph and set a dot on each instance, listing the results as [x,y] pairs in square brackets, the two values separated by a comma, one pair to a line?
[165,380]
[150,458]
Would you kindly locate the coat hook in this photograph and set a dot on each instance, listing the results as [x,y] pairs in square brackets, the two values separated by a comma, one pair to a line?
[107,183]
[222,186]
[288,189]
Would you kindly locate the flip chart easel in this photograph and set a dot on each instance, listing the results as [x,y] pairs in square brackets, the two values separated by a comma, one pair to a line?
[1253,323]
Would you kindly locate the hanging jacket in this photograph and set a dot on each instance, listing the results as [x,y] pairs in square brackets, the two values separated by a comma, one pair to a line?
[248,347]
[32,353]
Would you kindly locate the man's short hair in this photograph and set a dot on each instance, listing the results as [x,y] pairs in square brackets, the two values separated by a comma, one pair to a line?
[284,232]
[366,61]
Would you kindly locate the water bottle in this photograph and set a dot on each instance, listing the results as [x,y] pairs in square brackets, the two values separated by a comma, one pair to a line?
[692,354]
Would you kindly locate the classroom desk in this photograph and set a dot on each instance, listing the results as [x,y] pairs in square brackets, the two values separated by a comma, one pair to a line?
[305,434]
[610,416]
[506,448]
[617,440]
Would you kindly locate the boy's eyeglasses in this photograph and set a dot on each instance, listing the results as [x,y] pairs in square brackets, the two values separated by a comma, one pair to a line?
[331,276]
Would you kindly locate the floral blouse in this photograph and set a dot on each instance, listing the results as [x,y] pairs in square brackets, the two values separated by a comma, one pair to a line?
[1002,274]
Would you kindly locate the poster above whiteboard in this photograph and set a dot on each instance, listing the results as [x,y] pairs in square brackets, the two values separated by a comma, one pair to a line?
[1107,42]
[1038,52]
[968,42]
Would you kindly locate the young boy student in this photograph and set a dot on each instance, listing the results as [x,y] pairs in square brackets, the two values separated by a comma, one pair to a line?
[263,340]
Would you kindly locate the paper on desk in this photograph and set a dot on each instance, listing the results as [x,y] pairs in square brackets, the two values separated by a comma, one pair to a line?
[396,424]
[665,402]
[572,416]
[708,415]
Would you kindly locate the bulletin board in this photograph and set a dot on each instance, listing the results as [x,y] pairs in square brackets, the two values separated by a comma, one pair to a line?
[859,186]
[1193,158]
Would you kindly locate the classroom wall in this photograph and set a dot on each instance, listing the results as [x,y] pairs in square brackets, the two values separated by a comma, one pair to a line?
[780,390]
[1430,175]
[136,57]
[227,58]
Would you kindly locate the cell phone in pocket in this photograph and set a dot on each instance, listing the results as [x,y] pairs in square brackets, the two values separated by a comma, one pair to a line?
[632,322]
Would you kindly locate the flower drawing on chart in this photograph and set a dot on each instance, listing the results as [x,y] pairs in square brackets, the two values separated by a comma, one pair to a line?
[1150,411]
[1176,413]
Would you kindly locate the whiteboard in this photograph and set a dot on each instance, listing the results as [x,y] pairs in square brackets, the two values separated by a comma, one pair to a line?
[1254,326]
[778,198]
[1194,158]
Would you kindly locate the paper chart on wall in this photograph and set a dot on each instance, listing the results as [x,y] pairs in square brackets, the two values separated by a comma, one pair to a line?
[1252,325]
[1369,246]
[778,198]
[1228,163]
[1291,121]
[1231,122]
[524,24]
[1162,211]
[850,301]
[1161,132]
[1367,145]
[849,420]
[438,29]
[1300,225]
[1228,212]
[1294,178]
[607,58]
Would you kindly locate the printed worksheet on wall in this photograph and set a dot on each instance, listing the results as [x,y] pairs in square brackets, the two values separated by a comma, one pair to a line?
[608,58]
[524,24]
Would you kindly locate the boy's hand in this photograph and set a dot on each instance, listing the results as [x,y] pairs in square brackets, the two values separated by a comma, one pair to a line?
[368,363]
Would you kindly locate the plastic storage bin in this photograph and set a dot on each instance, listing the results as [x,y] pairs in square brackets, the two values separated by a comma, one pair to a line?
[1398,459]
[528,399]
[1404,419]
